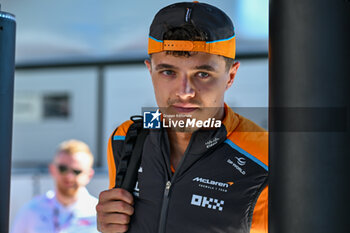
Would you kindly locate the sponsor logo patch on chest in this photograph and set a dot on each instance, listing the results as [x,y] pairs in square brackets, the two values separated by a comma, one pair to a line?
[238,164]
[212,184]
[207,202]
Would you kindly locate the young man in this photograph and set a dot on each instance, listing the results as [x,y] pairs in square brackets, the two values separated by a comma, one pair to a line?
[70,208]
[197,177]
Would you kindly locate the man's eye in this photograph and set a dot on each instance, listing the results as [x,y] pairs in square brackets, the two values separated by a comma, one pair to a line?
[203,75]
[168,72]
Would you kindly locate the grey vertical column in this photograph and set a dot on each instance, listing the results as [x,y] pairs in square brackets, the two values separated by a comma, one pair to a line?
[309,66]
[7,66]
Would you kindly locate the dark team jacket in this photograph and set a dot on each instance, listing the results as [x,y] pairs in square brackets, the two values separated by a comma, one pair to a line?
[220,186]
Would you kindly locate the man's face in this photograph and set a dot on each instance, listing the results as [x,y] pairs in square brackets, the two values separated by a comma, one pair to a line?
[192,85]
[65,169]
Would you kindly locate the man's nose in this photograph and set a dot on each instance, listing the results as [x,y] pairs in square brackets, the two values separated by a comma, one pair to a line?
[70,175]
[185,89]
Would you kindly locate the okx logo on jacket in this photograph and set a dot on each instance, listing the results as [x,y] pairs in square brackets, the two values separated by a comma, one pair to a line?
[207,202]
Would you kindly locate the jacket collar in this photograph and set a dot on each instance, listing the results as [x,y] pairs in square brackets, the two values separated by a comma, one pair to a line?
[231,120]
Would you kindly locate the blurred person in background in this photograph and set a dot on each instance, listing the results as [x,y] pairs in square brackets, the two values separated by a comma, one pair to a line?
[70,207]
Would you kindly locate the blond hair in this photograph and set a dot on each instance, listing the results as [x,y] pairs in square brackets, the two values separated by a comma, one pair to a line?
[74,146]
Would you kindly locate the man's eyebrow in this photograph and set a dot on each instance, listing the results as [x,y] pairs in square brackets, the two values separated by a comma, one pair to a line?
[205,67]
[200,67]
[165,66]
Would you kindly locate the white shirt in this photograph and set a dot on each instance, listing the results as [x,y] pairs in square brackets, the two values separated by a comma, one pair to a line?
[44,214]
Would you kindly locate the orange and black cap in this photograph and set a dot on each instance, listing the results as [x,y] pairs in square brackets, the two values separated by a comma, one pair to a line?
[212,21]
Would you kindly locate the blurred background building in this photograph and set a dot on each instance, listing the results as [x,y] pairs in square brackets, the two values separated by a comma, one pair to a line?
[80,73]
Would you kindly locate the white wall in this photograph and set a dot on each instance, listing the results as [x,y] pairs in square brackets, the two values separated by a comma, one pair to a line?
[35,138]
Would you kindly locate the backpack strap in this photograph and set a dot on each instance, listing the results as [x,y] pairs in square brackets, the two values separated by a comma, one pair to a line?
[130,159]
[114,146]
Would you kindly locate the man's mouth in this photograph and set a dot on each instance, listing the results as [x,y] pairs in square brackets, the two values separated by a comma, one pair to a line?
[70,184]
[185,108]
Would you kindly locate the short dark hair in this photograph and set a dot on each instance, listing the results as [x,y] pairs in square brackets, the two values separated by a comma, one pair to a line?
[189,32]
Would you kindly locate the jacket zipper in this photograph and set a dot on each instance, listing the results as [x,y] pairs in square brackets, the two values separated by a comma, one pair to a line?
[164,210]
[165,203]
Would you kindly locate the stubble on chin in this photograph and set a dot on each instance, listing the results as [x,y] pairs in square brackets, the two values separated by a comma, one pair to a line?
[67,192]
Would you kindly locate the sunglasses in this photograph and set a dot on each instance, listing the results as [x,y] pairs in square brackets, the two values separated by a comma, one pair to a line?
[63,169]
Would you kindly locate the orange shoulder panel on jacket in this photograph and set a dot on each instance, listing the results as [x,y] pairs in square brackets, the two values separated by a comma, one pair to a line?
[251,138]
[112,170]
[260,214]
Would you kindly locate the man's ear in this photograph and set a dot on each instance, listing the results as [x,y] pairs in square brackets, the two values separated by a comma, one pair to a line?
[52,169]
[149,65]
[232,74]
[91,173]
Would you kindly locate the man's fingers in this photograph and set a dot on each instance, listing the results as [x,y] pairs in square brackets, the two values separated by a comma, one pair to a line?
[114,228]
[116,194]
[114,210]
[115,206]
[116,218]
